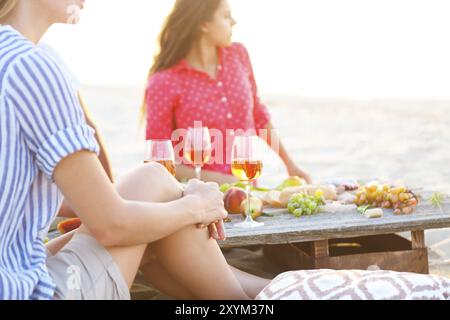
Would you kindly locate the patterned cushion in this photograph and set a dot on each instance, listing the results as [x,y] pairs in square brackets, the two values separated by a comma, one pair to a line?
[355,285]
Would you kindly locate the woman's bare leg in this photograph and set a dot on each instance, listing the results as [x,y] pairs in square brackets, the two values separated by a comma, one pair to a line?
[251,284]
[156,271]
[192,259]
[195,261]
[185,172]
[156,275]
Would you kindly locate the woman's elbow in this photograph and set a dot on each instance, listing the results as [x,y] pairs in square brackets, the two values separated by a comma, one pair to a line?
[104,238]
[108,233]
[107,238]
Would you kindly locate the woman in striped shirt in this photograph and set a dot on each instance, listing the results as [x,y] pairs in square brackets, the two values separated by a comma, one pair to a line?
[47,151]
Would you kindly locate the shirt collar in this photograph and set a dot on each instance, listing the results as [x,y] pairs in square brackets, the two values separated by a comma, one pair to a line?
[184,64]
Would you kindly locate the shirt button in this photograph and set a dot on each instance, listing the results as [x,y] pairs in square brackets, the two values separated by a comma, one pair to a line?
[219,67]
[224,100]
[229,116]
[220,84]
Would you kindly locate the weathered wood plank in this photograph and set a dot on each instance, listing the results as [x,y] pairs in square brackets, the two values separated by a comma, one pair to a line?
[402,261]
[285,228]
[387,252]
[418,239]
[288,257]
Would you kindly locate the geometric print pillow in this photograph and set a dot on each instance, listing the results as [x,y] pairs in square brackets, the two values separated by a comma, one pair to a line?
[355,285]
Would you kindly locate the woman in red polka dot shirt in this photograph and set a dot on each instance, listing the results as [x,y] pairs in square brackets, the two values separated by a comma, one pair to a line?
[199,74]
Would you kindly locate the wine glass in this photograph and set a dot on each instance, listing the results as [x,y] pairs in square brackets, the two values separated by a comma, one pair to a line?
[247,166]
[197,148]
[161,151]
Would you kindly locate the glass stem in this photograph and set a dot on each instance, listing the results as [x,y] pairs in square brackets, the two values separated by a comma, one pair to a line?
[249,213]
[198,172]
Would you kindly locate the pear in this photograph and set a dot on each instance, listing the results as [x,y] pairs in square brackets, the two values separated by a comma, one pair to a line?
[256,207]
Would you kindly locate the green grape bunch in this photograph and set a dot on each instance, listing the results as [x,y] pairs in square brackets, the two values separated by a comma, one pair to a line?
[305,205]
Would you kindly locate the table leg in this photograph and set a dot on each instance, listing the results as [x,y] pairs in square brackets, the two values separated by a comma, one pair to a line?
[418,243]
[320,249]
[418,239]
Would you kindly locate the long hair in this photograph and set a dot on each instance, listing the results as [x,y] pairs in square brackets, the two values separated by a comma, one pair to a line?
[5,7]
[180,31]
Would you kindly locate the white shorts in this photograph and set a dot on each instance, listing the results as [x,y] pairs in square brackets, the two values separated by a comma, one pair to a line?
[84,270]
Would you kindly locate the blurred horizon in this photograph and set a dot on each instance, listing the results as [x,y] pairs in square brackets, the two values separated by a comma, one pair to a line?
[357,49]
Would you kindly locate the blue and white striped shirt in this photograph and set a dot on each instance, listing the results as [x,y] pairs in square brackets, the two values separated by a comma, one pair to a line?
[41,122]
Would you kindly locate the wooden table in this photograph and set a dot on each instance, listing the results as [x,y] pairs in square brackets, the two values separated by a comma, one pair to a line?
[345,240]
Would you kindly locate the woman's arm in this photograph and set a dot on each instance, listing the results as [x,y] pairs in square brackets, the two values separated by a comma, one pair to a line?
[65,210]
[116,222]
[274,141]
[103,157]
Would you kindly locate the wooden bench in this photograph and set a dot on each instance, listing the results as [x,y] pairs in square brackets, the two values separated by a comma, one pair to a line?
[345,240]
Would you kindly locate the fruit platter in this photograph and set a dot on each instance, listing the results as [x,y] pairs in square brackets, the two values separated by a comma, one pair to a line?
[337,223]
[295,197]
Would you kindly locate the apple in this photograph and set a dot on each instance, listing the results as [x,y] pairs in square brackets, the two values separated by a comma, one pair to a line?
[256,207]
[233,199]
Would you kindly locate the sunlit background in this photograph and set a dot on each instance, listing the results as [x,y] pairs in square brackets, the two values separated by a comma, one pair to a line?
[357,88]
[333,48]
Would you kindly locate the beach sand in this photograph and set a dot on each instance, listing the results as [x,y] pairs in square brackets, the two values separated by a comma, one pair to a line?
[392,140]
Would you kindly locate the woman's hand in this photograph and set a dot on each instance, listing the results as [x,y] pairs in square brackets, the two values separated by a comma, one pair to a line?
[294,170]
[208,203]
[217,231]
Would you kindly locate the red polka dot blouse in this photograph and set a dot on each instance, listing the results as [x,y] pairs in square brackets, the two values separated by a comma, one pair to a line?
[179,96]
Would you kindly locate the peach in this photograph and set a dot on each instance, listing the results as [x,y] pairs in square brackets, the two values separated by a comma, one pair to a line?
[233,200]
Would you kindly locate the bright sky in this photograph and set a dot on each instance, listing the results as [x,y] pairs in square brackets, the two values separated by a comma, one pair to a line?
[340,48]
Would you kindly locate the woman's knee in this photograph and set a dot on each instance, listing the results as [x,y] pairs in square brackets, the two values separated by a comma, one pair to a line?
[188,236]
[150,182]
